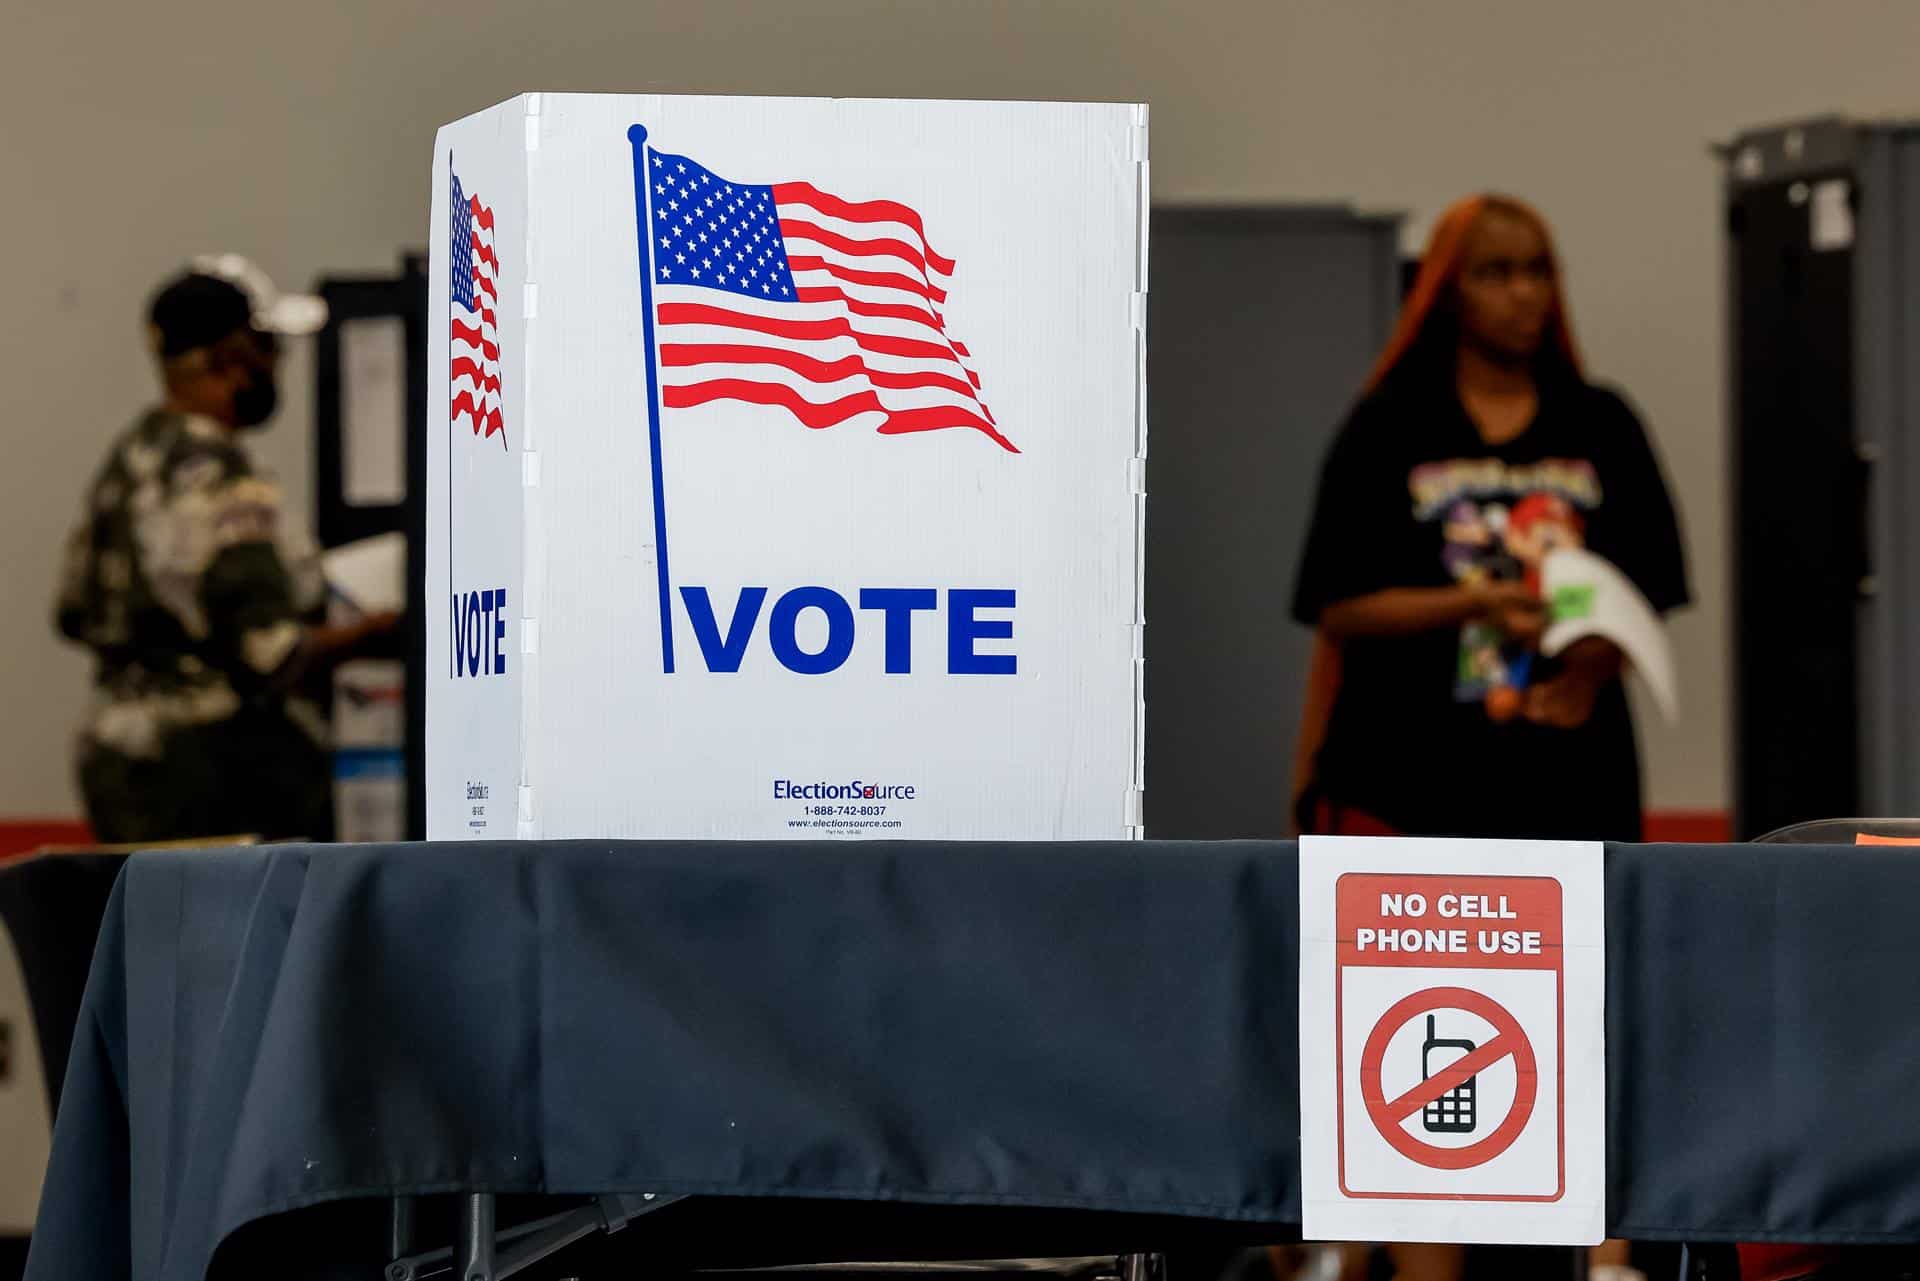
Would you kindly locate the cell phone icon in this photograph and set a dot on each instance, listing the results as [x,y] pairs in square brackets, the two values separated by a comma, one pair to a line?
[1453,1112]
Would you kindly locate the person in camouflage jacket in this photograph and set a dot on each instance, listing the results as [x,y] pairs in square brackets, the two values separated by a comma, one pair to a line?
[202,610]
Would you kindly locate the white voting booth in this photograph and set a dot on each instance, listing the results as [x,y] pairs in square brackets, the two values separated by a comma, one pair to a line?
[785,480]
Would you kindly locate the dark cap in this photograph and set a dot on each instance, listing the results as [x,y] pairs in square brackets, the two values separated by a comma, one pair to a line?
[196,310]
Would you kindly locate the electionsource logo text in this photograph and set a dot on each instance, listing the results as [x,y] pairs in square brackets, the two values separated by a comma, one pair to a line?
[785,789]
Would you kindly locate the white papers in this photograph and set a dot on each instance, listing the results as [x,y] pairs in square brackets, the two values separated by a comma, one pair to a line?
[1589,597]
[368,576]
[373,399]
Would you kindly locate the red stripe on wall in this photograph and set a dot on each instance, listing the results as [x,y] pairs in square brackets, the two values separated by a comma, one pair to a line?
[1689,827]
[25,835]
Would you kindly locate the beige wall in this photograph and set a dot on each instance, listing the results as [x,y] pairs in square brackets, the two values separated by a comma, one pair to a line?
[138,134]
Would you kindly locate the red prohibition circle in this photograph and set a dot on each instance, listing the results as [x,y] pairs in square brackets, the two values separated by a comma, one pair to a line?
[1526,1084]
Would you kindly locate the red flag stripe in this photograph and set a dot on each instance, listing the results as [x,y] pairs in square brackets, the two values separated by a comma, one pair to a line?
[465,404]
[479,390]
[468,367]
[864,211]
[471,335]
[817,416]
[883,311]
[816,331]
[925,354]
[872,310]
[481,214]
[810,414]
[799,229]
[878,279]
[684,355]
[903,421]
[689,313]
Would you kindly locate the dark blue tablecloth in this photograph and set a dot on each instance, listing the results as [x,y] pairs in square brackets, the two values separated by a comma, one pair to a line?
[1105,1027]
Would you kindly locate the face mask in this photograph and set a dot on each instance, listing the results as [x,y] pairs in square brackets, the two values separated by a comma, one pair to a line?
[254,403]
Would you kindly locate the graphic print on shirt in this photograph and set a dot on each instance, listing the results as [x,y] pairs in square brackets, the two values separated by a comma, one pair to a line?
[1498,522]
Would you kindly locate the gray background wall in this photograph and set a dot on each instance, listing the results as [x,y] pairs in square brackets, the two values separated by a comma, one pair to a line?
[137,135]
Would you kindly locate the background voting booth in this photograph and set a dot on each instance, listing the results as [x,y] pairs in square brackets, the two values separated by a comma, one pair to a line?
[1823,229]
[370,382]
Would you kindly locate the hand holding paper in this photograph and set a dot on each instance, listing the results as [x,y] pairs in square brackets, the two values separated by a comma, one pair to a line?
[1587,596]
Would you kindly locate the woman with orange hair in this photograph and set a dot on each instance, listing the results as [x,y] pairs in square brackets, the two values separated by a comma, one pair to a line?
[1477,448]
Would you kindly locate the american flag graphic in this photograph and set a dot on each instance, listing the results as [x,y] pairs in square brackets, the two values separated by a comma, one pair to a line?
[784,295]
[474,337]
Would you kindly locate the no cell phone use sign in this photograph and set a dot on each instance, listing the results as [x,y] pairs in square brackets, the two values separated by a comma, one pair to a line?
[1452,1040]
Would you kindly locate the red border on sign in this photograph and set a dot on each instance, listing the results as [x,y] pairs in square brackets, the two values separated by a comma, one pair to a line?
[1560,1073]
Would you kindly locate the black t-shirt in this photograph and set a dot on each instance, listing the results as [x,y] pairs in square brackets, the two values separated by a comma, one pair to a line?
[1421,735]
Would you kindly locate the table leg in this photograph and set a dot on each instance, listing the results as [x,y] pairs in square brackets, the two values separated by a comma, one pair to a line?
[475,1242]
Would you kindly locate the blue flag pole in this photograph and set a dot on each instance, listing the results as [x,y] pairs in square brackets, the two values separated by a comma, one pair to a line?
[643,207]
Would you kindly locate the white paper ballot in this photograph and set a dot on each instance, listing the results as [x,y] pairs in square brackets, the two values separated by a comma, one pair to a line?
[373,410]
[369,575]
[1588,596]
